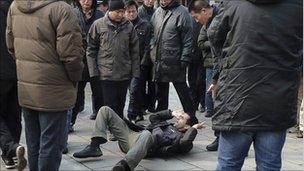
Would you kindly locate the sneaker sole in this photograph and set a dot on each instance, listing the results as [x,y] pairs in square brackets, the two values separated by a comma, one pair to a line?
[10,167]
[88,157]
[21,161]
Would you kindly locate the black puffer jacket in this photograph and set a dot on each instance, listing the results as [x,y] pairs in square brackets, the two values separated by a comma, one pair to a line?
[171,43]
[7,64]
[259,64]
[85,25]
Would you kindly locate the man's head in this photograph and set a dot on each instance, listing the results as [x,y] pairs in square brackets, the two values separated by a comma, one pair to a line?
[201,11]
[165,3]
[103,5]
[131,10]
[86,4]
[183,121]
[116,10]
[149,3]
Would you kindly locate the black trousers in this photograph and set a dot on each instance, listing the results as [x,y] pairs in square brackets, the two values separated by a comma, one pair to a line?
[196,79]
[114,95]
[10,118]
[97,97]
[183,91]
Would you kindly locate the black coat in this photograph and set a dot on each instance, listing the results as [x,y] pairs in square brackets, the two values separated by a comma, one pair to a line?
[171,43]
[258,65]
[145,13]
[143,30]
[7,64]
[196,57]
[85,25]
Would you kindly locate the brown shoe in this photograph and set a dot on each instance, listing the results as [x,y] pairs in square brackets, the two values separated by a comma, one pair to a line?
[21,163]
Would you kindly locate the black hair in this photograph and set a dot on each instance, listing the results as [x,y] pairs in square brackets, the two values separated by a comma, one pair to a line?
[93,7]
[198,5]
[130,3]
[189,122]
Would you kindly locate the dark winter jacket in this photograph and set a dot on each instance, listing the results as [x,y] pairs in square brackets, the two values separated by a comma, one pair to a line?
[204,43]
[7,64]
[258,65]
[196,57]
[45,39]
[171,43]
[145,13]
[85,25]
[143,30]
[113,50]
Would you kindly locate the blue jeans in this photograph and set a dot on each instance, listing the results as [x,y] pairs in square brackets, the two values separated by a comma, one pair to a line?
[44,138]
[66,132]
[234,147]
[208,95]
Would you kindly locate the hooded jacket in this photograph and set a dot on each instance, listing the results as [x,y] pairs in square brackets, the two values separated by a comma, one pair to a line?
[258,64]
[45,39]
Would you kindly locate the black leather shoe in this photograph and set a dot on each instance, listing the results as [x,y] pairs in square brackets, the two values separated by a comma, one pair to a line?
[214,145]
[8,162]
[122,165]
[88,151]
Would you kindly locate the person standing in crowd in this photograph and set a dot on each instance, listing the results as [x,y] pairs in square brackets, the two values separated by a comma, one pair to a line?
[103,6]
[48,55]
[10,111]
[87,13]
[196,71]
[204,14]
[147,9]
[113,55]
[246,72]
[145,12]
[138,85]
[171,49]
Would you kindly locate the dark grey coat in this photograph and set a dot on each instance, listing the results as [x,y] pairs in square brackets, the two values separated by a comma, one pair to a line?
[145,13]
[259,64]
[171,43]
[113,50]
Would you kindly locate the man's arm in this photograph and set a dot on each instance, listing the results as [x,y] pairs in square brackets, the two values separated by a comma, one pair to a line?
[134,53]
[160,116]
[69,42]
[185,29]
[93,43]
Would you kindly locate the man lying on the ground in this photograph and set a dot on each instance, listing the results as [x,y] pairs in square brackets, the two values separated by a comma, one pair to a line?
[160,138]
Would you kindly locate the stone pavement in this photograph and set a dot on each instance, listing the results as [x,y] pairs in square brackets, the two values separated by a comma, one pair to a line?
[198,159]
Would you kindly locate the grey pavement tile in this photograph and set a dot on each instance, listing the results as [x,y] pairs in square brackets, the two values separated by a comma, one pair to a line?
[69,163]
[165,164]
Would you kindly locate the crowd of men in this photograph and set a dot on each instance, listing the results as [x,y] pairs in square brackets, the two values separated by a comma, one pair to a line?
[239,62]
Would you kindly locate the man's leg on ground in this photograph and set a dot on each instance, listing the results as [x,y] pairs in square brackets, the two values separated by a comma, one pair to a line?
[107,118]
[138,149]
[110,93]
[97,96]
[52,126]
[121,96]
[32,135]
[208,96]
[183,92]
[233,148]
[135,104]
[268,150]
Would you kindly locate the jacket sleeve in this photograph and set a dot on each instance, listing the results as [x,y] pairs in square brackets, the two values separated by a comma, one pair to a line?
[146,57]
[134,53]
[203,42]
[92,49]
[217,33]
[185,29]
[10,35]
[69,44]
[160,116]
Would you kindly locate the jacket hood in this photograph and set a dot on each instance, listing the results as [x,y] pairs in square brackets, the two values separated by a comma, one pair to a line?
[264,1]
[30,6]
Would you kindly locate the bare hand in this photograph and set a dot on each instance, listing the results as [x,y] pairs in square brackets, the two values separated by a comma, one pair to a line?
[199,125]
[213,89]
